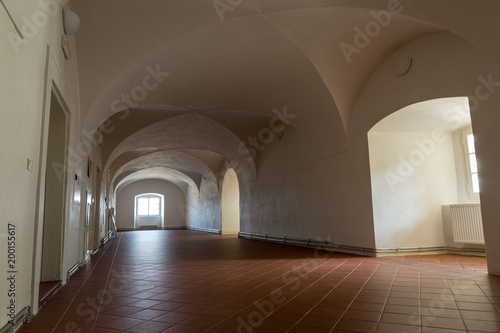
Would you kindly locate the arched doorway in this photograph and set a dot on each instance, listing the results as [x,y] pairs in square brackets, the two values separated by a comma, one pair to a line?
[420,163]
[230,203]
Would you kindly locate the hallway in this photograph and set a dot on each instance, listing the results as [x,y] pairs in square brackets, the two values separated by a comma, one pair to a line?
[185,281]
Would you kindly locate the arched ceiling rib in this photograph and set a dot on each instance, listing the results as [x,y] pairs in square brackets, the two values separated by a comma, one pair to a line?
[241,60]
[175,177]
[190,166]
[187,61]
[243,124]
[197,153]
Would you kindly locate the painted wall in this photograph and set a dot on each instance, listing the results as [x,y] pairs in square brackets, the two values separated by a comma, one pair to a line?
[175,199]
[203,209]
[413,175]
[330,197]
[443,66]
[28,70]
[301,195]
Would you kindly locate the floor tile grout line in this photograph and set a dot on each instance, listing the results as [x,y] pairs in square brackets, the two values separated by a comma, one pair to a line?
[429,267]
[332,270]
[242,274]
[107,282]
[254,278]
[198,282]
[278,288]
[354,299]
[326,293]
[251,289]
[425,271]
[458,308]
[453,296]
[81,287]
[388,294]
[420,298]
[251,279]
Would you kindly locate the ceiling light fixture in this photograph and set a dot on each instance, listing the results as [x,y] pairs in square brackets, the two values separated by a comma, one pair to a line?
[71,22]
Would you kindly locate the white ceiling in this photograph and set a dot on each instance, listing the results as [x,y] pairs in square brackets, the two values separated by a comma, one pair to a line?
[223,80]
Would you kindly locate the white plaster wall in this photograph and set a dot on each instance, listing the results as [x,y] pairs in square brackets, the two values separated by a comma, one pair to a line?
[203,208]
[299,195]
[173,195]
[330,197]
[24,99]
[413,175]
[443,66]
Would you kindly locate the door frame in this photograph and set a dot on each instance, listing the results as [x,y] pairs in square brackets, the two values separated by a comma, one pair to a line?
[54,84]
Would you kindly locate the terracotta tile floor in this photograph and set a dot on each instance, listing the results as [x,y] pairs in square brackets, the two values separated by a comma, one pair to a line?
[184,281]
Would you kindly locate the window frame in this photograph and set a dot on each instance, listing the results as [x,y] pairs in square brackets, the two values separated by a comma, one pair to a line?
[148,197]
[468,169]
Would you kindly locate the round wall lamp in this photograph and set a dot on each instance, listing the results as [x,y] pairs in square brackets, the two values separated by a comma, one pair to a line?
[401,66]
[71,22]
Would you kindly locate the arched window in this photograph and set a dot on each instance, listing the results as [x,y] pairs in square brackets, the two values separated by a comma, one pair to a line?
[149,210]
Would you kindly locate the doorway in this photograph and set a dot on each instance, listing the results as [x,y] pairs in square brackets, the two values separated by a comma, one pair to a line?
[54,200]
[418,167]
[230,203]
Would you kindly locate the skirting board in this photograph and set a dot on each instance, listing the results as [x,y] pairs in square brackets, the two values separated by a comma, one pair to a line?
[154,228]
[370,252]
[212,231]
[22,317]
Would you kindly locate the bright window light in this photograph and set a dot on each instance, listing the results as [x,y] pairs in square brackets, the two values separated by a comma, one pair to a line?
[148,206]
[471,150]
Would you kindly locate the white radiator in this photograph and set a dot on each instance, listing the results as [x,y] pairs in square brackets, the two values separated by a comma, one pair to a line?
[467,223]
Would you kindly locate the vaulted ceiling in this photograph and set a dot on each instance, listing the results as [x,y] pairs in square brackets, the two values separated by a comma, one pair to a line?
[182,85]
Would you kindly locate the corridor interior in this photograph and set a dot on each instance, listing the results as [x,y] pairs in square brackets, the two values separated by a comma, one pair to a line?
[187,281]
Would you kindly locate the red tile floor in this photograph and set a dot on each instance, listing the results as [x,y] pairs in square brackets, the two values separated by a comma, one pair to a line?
[185,281]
